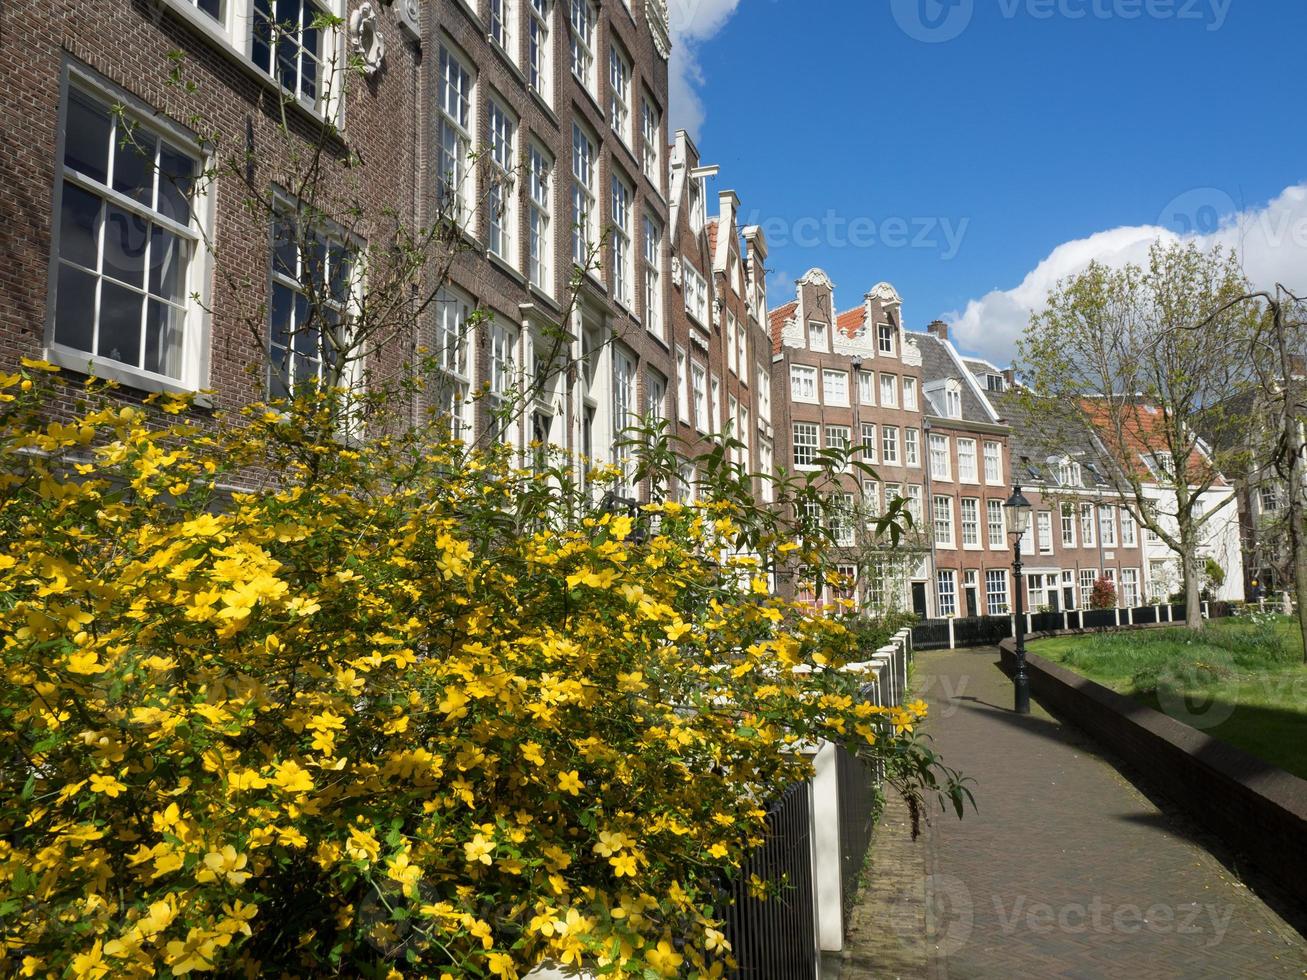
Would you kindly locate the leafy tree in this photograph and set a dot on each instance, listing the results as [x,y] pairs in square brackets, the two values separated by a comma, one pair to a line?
[1104,595]
[1122,349]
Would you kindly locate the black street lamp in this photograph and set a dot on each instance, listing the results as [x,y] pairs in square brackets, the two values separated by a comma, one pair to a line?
[1018,508]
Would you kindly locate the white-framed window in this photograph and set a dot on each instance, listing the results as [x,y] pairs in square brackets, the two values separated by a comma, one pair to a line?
[653,277]
[842,520]
[1088,576]
[953,401]
[502,200]
[871,498]
[869,442]
[699,387]
[996,598]
[651,141]
[682,386]
[994,463]
[915,507]
[1129,587]
[764,395]
[128,255]
[910,394]
[746,449]
[624,410]
[503,27]
[1107,525]
[1129,529]
[696,292]
[1087,536]
[837,437]
[889,390]
[803,383]
[619,93]
[1110,575]
[733,419]
[1268,498]
[889,445]
[742,342]
[867,387]
[732,345]
[582,42]
[943,513]
[1044,524]
[453,376]
[1068,513]
[622,251]
[835,387]
[947,592]
[715,386]
[455,182]
[911,447]
[313,275]
[502,375]
[540,48]
[1068,473]
[584,180]
[301,46]
[940,466]
[817,339]
[214,8]
[766,465]
[996,520]
[806,443]
[967,464]
[885,334]
[540,231]
[970,522]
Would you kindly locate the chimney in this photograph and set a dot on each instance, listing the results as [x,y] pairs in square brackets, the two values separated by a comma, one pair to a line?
[939,328]
[1010,377]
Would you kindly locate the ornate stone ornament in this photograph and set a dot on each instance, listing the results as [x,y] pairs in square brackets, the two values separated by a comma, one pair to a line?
[365,38]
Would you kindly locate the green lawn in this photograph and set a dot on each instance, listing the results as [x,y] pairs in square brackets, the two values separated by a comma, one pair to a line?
[1241,680]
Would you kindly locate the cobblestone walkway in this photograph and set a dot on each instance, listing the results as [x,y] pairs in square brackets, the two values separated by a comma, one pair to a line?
[1066,871]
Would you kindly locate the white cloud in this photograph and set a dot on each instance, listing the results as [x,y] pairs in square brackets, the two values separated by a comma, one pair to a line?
[692,23]
[1270,240]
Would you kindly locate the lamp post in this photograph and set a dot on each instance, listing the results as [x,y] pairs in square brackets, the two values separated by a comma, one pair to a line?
[1018,508]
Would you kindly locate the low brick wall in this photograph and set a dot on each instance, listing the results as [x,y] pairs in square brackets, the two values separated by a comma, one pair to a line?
[1259,810]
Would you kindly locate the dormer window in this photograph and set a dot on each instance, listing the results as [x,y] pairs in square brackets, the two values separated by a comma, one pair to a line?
[1162,465]
[953,399]
[1068,472]
[885,338]
[994,382]
[817,336]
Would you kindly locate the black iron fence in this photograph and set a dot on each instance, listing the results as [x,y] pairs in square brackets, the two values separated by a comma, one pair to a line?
[857,795]
[776,939]
[984,631]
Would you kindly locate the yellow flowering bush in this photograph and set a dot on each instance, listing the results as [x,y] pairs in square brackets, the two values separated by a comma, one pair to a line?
[405,709]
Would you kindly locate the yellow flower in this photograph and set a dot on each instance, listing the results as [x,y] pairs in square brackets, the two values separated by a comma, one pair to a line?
[664,959]
[362,846]
[570,782]
[531,753]
[479,850]
[107,785]
[196,953]
[292,778]
[623,864]
[90,964]
[85,662]
[501,964]
[226,863]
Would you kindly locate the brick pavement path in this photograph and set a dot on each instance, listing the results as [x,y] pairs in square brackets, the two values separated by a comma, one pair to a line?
[1066,871]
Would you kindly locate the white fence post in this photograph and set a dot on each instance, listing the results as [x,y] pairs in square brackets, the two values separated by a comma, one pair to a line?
[1207,611]
[826,865]
[1066,620]
[1030,623]
[1130,617]
[952,645]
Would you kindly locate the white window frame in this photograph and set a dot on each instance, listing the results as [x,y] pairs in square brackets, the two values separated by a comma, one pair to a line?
[503,27]
[540,221]
[810,443]
[453,362]
[501,196]
[889,445]
[583,19]
[540,48]
[1088,536]
[1107,525]
[941,509]
[803,384]
[970,522]
[870,445]
[818,336]
[619,92]
[456,110]
[835,387]
[889,390]
[997,600]
[699,390]
[192,356]
[910,402]
[994,464]
[911,446]
[885,338]
[946,599]
[1067,517]
[968,462]
[651,141]
[695,287]
[682,385]
[867,388]
[1088,579]
[1044,527]
[1129,529]
[623,246]
[838,437]
[652,251]
[997,529]
[941,464]
[585,212]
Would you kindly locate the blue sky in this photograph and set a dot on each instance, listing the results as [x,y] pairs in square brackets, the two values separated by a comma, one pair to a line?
[972,171]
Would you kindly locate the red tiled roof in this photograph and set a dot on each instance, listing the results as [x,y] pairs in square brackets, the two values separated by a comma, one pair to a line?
[1141,435]
[776,318]
[851,322]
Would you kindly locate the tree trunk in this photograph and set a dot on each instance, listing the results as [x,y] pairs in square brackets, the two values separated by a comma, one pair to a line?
[1193,602]
[1297,533]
